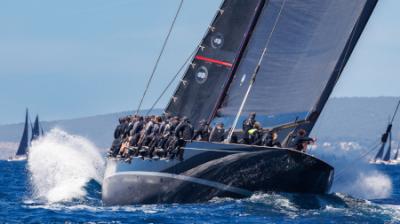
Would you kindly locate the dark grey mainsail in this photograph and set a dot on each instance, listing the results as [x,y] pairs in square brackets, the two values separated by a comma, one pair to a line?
[389,149]
[36,129]
[213,66]
[384,139]
[306,45]
[24,143]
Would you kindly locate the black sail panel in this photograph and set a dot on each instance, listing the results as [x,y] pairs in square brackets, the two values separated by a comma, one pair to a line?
[35,129]
[24,143]
[389,149]
[211,69]
[308,48]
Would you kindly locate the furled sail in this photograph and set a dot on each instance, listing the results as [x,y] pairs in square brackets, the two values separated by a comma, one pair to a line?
[36,129]
[212,68]
[24,143]
[307,46]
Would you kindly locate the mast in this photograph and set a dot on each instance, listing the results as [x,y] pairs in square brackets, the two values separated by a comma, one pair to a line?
[209,74]
[24,143]
[254,75]
[292,62]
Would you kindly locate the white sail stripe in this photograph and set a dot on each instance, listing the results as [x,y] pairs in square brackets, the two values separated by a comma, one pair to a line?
[196,180]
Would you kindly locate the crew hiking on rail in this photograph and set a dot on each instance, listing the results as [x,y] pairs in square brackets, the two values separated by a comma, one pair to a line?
[164,136]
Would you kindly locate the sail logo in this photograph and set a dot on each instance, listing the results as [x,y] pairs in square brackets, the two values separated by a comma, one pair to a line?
[217,41]
[201,75]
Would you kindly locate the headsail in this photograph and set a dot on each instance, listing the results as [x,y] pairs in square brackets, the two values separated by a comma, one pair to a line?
[213,66]
[24,143]
[396,156]
[36,129]
[308,44]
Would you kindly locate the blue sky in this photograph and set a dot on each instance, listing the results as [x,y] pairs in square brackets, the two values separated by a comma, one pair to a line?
[66,59]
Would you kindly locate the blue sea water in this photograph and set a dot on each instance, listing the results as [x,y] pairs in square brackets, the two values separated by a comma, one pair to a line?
[17,205]
[61,183]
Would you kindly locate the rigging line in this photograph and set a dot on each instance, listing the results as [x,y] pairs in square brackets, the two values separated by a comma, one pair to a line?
[172,80]
[341,172]
[159,56]
[253,78]
[395,112]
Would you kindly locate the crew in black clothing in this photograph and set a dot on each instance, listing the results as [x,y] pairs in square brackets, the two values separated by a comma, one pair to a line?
[218,133]
[156,135]
[184,130]
[119,129]
[247,125]
[302,141]
[172,140]
[271,140]
[203,132]
[136,130]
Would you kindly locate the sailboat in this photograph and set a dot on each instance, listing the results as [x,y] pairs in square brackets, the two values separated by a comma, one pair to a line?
[383,157]
[23,148]
[278,58]
[24,143]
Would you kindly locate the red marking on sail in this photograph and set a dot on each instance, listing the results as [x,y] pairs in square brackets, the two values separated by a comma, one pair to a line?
[227,64]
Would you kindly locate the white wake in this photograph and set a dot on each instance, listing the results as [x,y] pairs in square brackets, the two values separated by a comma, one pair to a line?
[354,175]
[61,165]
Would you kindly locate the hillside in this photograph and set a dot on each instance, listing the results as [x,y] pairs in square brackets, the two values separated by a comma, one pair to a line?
[344,119]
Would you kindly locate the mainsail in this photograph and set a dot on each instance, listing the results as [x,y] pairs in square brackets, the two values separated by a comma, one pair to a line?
[24,143]
[384,140]
[307,44]
[389,149]
[212,68]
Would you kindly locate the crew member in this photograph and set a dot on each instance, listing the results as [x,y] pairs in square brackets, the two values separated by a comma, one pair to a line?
[218,132]
[272,140]
[247,125]
[203,132]
[302,141]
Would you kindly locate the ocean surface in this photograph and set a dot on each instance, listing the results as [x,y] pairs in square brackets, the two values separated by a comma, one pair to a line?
[61,183]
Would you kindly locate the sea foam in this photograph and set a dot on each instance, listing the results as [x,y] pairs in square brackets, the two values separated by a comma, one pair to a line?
[61,165]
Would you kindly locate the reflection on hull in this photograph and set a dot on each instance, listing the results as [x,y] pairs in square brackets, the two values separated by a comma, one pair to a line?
[214,170]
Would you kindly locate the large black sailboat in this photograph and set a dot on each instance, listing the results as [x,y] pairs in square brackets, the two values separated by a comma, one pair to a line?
[278,58]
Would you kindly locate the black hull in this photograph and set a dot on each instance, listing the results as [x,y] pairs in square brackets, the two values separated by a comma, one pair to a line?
[214,170]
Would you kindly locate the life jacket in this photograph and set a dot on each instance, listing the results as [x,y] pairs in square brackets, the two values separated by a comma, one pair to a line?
[253,131]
